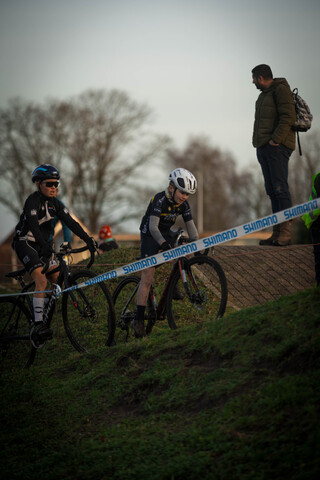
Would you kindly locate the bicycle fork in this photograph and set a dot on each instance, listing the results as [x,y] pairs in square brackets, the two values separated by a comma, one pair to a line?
[84,306]
[183,276]
[185,270]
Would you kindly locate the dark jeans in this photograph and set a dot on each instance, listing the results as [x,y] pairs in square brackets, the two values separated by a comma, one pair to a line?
[315,235]
[274,164]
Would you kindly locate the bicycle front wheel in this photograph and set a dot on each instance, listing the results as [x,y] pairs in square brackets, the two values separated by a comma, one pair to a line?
[16,351]
[88,313]
[205,292]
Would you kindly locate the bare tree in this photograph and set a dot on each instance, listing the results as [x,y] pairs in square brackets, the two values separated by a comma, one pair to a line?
[107,146]
[254,200]
[224,204]
[99,142]
[302,168]
[24,144]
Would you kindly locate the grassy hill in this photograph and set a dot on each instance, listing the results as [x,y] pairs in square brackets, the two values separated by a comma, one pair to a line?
[237,398]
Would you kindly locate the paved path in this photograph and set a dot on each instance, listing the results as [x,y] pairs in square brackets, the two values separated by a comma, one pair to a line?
[257,274]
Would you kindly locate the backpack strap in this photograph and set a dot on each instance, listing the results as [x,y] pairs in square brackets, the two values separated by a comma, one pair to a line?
[295,93]
[299,145]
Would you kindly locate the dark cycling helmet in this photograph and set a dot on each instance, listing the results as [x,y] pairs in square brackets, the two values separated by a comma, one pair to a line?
[45,171]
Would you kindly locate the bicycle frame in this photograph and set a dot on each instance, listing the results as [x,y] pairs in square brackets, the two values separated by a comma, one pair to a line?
[197,280]
[63,278]
[83,311]
[160,308]
[157,311]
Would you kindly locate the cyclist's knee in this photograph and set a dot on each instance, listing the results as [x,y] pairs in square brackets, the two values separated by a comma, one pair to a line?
[53,277]
[146,284]
[40,279]
[147,277]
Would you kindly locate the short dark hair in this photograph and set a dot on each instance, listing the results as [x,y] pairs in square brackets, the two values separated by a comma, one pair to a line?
[263,71]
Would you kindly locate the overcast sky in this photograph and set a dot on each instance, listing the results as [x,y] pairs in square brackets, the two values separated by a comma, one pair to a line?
[189,60]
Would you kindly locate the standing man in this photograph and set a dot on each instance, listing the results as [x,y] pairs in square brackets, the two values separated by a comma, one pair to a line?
[274,140]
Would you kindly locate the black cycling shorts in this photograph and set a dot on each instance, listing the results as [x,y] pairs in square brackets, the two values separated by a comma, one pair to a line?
[29,254]
[149,246]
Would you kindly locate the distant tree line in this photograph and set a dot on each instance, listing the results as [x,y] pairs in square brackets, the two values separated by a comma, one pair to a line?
[101,142]
[232,197]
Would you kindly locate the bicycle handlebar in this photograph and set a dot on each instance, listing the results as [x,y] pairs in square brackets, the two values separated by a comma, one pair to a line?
[182,239]
[66,249]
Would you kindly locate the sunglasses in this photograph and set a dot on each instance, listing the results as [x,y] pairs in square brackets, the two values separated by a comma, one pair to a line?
[51,184]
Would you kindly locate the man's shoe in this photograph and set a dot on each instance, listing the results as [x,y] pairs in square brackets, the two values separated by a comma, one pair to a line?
[138,327]
[267,241]
[39,334]
[284,237]
[273,238]
[283,243]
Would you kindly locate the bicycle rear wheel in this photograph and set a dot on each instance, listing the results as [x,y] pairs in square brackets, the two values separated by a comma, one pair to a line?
[205,293]
[88,313]
[16,351]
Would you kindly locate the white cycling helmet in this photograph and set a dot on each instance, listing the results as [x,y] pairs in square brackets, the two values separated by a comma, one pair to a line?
[184,180]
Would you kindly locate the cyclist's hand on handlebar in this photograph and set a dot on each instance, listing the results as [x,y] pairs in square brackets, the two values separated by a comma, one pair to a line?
[165,246]
[92,245]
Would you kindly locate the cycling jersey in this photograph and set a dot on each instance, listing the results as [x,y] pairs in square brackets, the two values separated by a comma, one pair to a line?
[35,222]
[162,206]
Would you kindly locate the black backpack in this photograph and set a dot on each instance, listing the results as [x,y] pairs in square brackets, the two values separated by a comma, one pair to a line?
[303,116]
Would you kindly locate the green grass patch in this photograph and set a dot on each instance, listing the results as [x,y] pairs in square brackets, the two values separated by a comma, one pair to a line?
[234,399]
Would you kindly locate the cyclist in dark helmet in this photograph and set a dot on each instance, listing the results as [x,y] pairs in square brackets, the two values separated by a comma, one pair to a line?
[33,231]
[156,230]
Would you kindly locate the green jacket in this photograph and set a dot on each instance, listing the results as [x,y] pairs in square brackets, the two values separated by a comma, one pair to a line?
[312,219]
[274,116]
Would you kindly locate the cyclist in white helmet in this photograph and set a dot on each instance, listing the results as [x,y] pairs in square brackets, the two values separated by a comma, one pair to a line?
[156,230]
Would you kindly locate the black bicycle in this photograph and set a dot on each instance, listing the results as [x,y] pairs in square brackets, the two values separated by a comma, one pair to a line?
[88,313]
[195,290]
